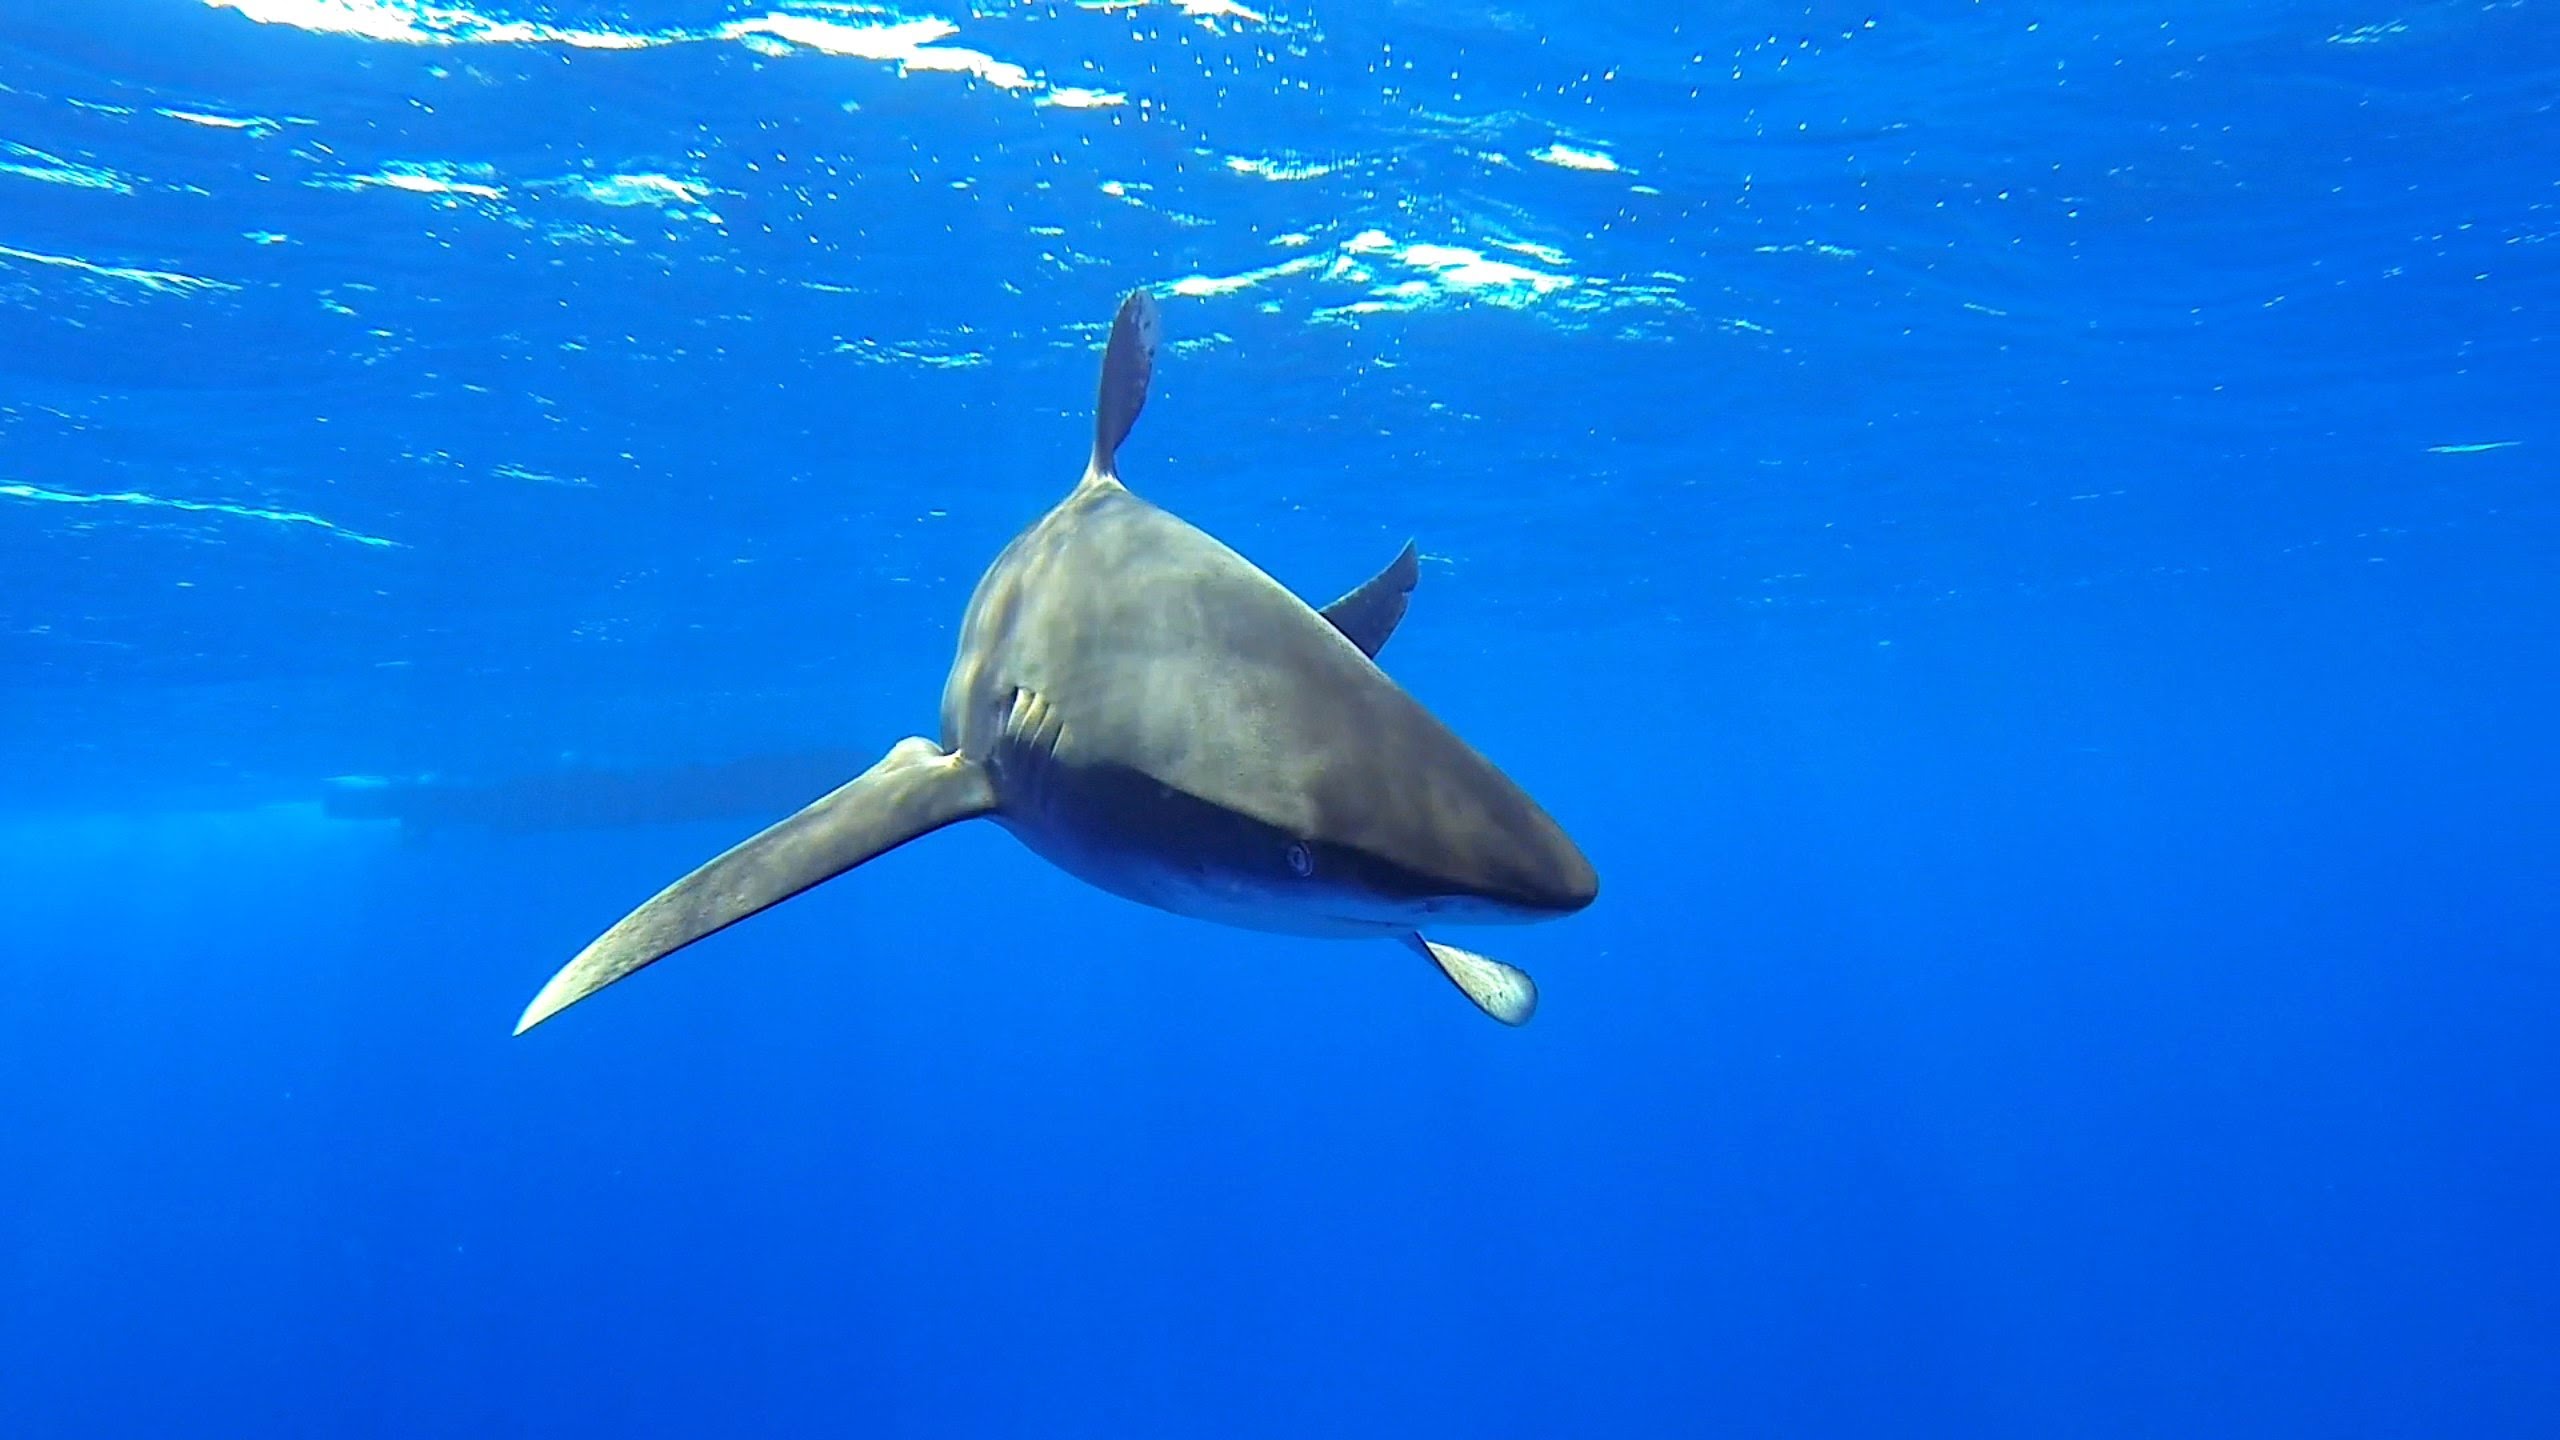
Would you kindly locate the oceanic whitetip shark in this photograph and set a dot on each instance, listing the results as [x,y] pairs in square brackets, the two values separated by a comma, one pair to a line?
[1142,706]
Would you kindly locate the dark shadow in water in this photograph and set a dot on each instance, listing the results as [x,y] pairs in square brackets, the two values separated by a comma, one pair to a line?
[598,798]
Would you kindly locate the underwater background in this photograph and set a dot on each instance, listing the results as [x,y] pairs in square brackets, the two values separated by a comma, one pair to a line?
[2020,539]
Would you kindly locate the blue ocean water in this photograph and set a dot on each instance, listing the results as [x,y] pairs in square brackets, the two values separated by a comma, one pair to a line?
[2020,539]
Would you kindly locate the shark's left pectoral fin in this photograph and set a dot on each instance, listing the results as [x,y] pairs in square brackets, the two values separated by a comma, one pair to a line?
[1369,614]
[1504,992]
[916,788]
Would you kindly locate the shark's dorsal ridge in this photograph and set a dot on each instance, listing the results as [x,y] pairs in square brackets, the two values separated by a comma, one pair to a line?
[1154,714]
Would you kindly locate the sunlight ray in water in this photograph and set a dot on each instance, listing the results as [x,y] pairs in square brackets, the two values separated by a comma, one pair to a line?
[1076,97]
[165,282]
[912,43]
[1282,170]
[412,22]
[464,182]
[1567,157]
[1398,277]
[29,163]
[138,499]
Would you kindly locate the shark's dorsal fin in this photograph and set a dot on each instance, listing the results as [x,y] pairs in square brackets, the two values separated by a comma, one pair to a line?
[1128,362]
[1369,614]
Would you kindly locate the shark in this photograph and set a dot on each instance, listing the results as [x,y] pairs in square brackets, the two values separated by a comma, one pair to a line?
[1149,711]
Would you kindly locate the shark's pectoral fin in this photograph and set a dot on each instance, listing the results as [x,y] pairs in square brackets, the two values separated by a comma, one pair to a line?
[915,788]
[1504,992]
[1368,615]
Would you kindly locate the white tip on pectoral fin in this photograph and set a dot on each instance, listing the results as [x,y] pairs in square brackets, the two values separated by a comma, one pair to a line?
[1504,992]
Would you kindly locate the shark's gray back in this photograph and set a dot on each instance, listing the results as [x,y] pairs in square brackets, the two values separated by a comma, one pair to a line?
[1150,650]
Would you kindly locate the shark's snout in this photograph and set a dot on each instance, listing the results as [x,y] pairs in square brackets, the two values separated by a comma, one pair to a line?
[1572,884]
[1518,870]
[1548,877]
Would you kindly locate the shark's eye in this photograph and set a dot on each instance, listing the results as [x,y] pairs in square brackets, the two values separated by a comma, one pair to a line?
[1302,861]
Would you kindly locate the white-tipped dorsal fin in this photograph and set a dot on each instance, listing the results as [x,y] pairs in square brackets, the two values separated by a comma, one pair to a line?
[1128,362]
[1504,992]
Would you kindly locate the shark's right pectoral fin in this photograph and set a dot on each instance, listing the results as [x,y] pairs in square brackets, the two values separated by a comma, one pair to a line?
[917,787]
[1368,615]
[1504,992]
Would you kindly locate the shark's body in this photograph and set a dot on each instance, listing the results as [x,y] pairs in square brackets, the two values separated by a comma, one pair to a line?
[1151,713]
